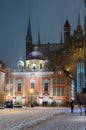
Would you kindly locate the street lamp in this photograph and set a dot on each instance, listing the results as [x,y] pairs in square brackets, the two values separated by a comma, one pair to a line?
[31,91]
[8,96]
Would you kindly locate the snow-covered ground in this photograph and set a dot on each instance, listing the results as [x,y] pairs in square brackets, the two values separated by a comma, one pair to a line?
[18,119]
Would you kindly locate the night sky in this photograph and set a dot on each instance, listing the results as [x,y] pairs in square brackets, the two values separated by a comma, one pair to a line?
[47,15]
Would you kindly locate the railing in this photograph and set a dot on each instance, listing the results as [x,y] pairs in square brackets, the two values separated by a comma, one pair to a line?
[33,70]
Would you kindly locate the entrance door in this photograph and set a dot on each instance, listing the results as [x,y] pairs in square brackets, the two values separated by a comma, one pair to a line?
[45,100]
[19,99]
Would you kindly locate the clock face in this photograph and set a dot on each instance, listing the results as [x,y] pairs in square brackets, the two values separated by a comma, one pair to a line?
[59,72]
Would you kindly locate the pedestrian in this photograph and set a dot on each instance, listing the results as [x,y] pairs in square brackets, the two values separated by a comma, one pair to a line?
[80,107]
[72,105]
[85,108]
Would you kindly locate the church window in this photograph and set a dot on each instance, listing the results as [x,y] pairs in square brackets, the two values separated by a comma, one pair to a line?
[80,75]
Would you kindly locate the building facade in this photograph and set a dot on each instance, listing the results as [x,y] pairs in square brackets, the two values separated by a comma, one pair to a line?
[2,81]
[35,82]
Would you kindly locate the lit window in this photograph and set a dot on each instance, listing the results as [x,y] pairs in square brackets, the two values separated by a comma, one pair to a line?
[34,66]
[80,73]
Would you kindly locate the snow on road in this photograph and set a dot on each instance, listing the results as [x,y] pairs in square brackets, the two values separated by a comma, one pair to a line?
[18,119]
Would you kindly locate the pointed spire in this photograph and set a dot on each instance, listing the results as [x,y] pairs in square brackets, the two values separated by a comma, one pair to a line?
[61,41]
[85,2]
[79,19]
[67,24]
[29,28]
[79,28]
[28,39]
[39,37]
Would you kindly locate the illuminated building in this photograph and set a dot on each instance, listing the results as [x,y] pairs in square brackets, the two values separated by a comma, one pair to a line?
[49,86]
[2,81]
[70,54]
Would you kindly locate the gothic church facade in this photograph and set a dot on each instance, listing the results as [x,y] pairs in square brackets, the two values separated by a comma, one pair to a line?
[70,54]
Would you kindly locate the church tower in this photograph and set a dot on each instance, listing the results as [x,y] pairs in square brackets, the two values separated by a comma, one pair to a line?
[28,39]
[66,34]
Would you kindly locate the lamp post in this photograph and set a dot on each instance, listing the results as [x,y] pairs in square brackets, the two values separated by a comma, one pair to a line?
[31,91]
[8,96]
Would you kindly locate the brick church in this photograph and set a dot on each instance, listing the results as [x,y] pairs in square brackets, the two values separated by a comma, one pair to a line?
[70,54]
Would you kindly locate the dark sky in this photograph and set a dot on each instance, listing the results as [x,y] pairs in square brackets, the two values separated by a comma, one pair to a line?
[47,15]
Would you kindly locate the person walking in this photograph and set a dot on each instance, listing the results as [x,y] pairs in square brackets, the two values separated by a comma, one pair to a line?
[80,107]
[85,108]
[72,105]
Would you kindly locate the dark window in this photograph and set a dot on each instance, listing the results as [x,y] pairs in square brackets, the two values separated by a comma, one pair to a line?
[54,80]
[32,85]
[40,65]
[58,91]
[46,87]
[54,91]
[62,91]
[19,86]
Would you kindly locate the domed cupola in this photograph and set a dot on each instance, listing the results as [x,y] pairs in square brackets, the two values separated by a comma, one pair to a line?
[35,54]
[20,64]
[47,63]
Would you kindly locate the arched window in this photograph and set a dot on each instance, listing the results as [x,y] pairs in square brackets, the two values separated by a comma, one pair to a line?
[80,74]
[40,65]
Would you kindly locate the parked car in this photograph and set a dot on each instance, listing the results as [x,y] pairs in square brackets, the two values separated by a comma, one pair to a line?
[8,104]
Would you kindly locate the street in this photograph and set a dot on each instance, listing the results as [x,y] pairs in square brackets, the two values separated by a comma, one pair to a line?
[42,118]
[63,121]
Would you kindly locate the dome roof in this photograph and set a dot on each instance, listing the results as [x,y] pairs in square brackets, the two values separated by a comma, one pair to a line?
[35,54]
[20,63]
